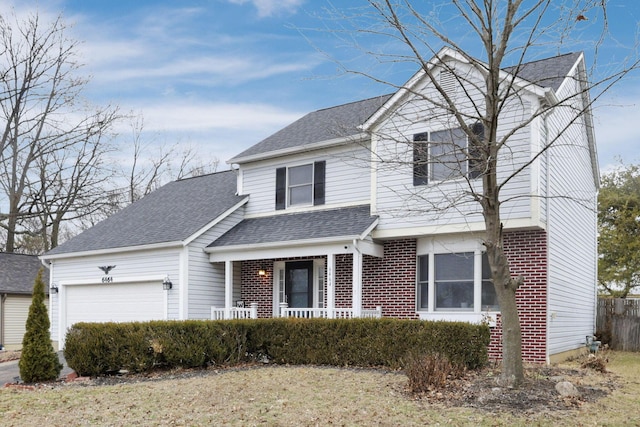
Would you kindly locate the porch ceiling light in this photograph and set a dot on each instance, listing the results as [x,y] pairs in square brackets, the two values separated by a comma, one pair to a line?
[166,283]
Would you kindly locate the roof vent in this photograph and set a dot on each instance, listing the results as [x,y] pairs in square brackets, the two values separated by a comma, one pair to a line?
[448,81]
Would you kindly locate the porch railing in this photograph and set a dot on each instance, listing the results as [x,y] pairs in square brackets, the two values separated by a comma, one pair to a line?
[338,313]
[235,312]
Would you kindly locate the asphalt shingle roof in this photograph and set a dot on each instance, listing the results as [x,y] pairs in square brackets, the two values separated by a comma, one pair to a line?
[172,213]
[351,221]
[343,120]
[548,72]
[329,123]
[18,273]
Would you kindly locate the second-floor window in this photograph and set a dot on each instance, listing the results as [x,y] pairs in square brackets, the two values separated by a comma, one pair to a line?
[445,154]
[301,185]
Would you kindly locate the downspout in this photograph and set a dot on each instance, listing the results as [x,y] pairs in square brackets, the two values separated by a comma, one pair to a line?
[550,316]
[49,266]
[3,298]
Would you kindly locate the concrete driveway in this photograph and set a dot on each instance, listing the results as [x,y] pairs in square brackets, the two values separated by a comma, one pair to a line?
[10,372]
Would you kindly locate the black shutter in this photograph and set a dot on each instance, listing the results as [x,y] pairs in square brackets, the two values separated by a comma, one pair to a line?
[475,151]
[420,159]
[318,182]
[281,188]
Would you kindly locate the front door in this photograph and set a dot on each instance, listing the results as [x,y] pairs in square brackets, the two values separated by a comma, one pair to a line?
[299,284]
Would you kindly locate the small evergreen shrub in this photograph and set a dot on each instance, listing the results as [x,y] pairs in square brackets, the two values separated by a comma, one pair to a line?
[38,361]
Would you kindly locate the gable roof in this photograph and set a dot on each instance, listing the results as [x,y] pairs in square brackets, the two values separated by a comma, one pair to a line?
[330,223]
[548,72]
[330,123]
[172,213]
[18,273]
[345,120]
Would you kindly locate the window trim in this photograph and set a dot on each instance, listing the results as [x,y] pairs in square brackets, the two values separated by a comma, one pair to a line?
[431,285]
[423,167]
[317,185]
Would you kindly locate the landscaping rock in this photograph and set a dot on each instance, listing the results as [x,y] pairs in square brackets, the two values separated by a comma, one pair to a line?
[566,389]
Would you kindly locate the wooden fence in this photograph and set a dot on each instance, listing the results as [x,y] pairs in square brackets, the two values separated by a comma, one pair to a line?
[618,322]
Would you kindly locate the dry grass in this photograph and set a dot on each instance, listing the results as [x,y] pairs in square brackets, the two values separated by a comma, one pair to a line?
[297,396]
[6,355]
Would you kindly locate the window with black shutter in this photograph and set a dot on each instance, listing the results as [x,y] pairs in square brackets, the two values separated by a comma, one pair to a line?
[447,154]
[302,185]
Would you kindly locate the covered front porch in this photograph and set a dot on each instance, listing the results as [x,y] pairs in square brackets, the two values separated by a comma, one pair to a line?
[276,275]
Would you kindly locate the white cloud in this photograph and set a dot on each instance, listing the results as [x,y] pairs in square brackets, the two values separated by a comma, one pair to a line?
[215,130]
[617,130]
[267,8]
[207,116]
[214,69]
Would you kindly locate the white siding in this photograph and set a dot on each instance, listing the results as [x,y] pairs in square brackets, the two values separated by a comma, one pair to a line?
[347,177]
[400,204]
[16,310]
[130,266]
[206,280]
[572,234]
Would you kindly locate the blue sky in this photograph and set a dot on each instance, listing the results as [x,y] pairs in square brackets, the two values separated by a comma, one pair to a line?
[223,74]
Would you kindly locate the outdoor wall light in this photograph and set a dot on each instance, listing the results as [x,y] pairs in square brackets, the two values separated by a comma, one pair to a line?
[262,272]
[166,283]
[53,289]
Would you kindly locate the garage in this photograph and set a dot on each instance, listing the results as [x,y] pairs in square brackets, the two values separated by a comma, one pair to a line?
[114,302]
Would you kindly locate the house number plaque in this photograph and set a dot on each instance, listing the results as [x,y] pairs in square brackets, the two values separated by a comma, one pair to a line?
[107,268]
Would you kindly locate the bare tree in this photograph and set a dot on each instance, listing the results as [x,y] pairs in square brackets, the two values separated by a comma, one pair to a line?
[507,32]
[73,181]
[153,164]
[46,131]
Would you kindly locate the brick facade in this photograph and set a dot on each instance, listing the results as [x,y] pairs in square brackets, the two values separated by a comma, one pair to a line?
[527,253]
[390,282]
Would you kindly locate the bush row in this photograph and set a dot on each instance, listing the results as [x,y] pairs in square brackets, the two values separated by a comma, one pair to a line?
[102,348]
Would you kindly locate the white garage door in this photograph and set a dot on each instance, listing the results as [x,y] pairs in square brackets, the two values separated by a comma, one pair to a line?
[114,302]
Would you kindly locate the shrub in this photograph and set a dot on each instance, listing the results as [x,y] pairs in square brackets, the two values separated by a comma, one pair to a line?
[38,361]
[98,349]
[429,371]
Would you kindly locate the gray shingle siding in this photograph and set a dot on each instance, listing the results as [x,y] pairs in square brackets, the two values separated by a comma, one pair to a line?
[172,213]
[18,273]
[342,222]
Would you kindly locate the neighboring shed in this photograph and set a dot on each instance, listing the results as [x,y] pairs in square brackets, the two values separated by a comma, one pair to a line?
[17,276]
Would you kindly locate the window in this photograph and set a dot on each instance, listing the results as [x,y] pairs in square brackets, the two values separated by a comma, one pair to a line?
[300,185]
[445,154]
[454,282]
[423,282]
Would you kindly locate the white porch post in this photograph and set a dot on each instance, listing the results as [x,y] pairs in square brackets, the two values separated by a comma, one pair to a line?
[331,289]
[357,282]
[228,288]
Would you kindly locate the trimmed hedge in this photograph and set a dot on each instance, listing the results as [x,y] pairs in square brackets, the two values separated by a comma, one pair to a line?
[103,348]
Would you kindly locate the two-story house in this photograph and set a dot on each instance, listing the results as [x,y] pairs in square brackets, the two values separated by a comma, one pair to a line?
[362,210]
